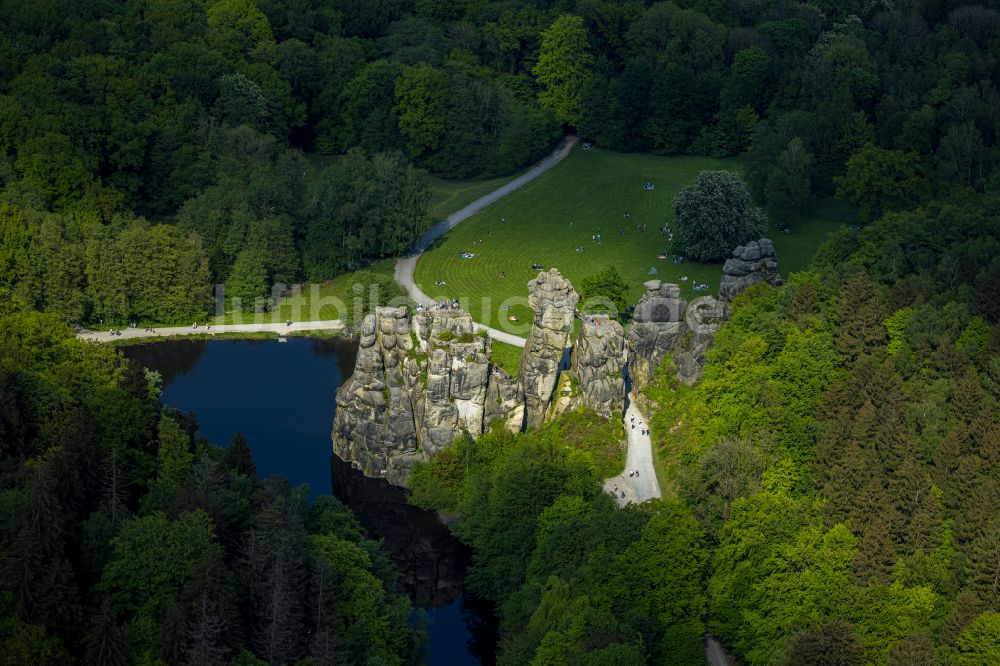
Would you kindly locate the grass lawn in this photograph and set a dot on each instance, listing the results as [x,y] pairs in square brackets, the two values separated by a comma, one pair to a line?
[333,299]
[588,193]
[507,357]
[449,196]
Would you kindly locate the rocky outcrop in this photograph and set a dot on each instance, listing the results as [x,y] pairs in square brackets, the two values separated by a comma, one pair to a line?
[375,425]
[750,264]
[504,401]
[596,379]
[420,382]
[457,371]
[553,300]
[415,388]
[663,325]
[657,323]
[704,317]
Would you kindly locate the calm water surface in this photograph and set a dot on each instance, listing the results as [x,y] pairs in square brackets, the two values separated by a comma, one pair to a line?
[281,396]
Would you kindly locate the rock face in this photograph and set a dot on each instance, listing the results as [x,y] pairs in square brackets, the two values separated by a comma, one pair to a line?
[664,324]
[375,425]
[553,300]
[596,380]
[457,371]
[704,317]
[504,401]
[750,264]
[414,390]
[657,322]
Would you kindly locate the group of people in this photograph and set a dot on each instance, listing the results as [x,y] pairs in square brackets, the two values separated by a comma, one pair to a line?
[445,305]
[668,232]
[644,432]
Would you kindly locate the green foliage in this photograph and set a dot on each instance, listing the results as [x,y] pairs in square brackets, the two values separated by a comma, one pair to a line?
[421,93]
[895,327]
[605,292]
[361,208]
[562,67]
[880,181]
[980,643]
[178,553]
[789,187]
[714,215]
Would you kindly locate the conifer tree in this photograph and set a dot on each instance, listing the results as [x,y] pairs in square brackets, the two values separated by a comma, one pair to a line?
[966,608]
[965,396]
[804,302]
[239,457]
[831,644]
[947,458]
[984,564]
[861,313]
[876,555]
[915,649]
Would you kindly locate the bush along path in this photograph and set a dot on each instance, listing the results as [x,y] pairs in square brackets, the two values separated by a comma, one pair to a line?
[406,266]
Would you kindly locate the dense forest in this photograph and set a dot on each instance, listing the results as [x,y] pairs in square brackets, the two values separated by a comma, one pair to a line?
[125,538]
[832,483]
[152,148]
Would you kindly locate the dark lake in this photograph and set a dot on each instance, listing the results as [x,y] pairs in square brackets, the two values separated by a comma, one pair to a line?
[280,395]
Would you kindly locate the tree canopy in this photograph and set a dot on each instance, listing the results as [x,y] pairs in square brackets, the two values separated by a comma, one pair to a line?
[714,215]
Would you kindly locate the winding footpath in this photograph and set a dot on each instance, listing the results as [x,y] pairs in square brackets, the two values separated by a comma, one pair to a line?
[406,266]
[279,329]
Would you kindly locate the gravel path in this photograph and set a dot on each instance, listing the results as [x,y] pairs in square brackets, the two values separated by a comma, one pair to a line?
[173,331]
[640,488]
[406,266]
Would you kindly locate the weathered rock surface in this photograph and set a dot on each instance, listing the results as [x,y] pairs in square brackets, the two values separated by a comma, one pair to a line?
[657,323]
[553,300]
[375,425]
[704,317]
[598,362]
[421,382]
[664,324]
[504,401]
[457,372]
[750,264]
[415,388]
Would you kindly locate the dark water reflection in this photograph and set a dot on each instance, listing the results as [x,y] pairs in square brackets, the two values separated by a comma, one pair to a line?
[281,396]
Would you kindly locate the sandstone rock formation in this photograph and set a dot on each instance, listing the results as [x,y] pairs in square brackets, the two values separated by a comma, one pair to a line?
[704,317]
[750,264]
[664,324]
[504,401]
[421,382]
[415,388]
[457,371]
[657,322]
[553,300]
[375,423]
[596,380]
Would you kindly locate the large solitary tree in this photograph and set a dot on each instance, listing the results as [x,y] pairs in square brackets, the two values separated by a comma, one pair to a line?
[715,214]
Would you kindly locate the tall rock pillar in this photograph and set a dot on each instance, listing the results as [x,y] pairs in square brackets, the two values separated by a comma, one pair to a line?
[553,300]
[657,323]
